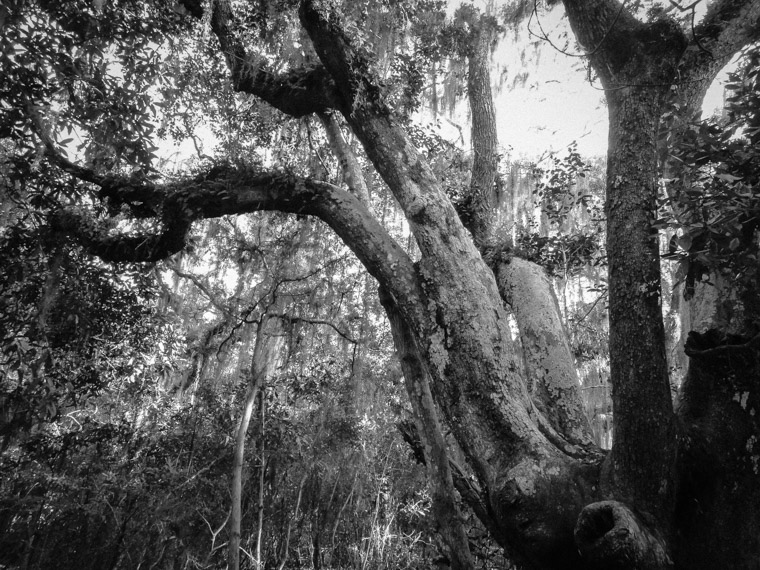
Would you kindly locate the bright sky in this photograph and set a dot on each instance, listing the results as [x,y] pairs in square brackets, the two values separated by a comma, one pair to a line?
[556,104]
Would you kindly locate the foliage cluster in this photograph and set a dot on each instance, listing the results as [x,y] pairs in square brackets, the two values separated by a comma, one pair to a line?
[713,206]
[568,233]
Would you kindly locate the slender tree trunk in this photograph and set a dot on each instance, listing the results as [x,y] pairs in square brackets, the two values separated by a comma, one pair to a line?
[266,351]
[237,476]
[352,171]
[286,545]
[479,212]
[340,513]
[262,471]
[357,185]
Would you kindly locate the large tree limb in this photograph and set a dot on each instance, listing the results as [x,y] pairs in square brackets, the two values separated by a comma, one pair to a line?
[609,34]
[550,366]
[361,101]
[417,380]
[231,191]
[144,247]
[727,26]
[468,348]
[297,93]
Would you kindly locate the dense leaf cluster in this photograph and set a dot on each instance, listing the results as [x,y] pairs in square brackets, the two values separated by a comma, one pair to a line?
[713,206]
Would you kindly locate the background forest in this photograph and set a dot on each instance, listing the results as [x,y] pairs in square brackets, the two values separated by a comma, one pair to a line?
[135,398]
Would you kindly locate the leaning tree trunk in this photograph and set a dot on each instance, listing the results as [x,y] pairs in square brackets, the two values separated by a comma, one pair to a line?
[445,508]
[444,498]
[550,367]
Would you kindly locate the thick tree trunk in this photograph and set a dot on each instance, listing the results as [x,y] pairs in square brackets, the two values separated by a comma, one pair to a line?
[718,508]
[552,379]
[417,380]
[644,448]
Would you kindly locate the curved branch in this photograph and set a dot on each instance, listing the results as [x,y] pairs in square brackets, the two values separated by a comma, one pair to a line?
[297,93]
[728,26]
[96,238]
[232,191]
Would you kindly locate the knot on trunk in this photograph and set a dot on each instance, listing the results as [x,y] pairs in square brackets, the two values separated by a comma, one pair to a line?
[609,535]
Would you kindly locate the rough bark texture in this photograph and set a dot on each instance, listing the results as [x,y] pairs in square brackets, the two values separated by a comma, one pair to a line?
[417,380]
[610,535]
[445,508]
[479,209]
[644,68]
[550,367]
[644,446]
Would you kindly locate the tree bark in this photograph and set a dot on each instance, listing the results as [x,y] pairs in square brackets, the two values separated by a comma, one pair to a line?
[644,445]
[636,64]
[417,380]
[643,68]
[479,208]
[349,165]
[550,367]
[610,535]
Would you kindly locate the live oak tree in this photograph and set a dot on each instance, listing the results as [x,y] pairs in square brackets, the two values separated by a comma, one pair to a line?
[658,462]
[680,487]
